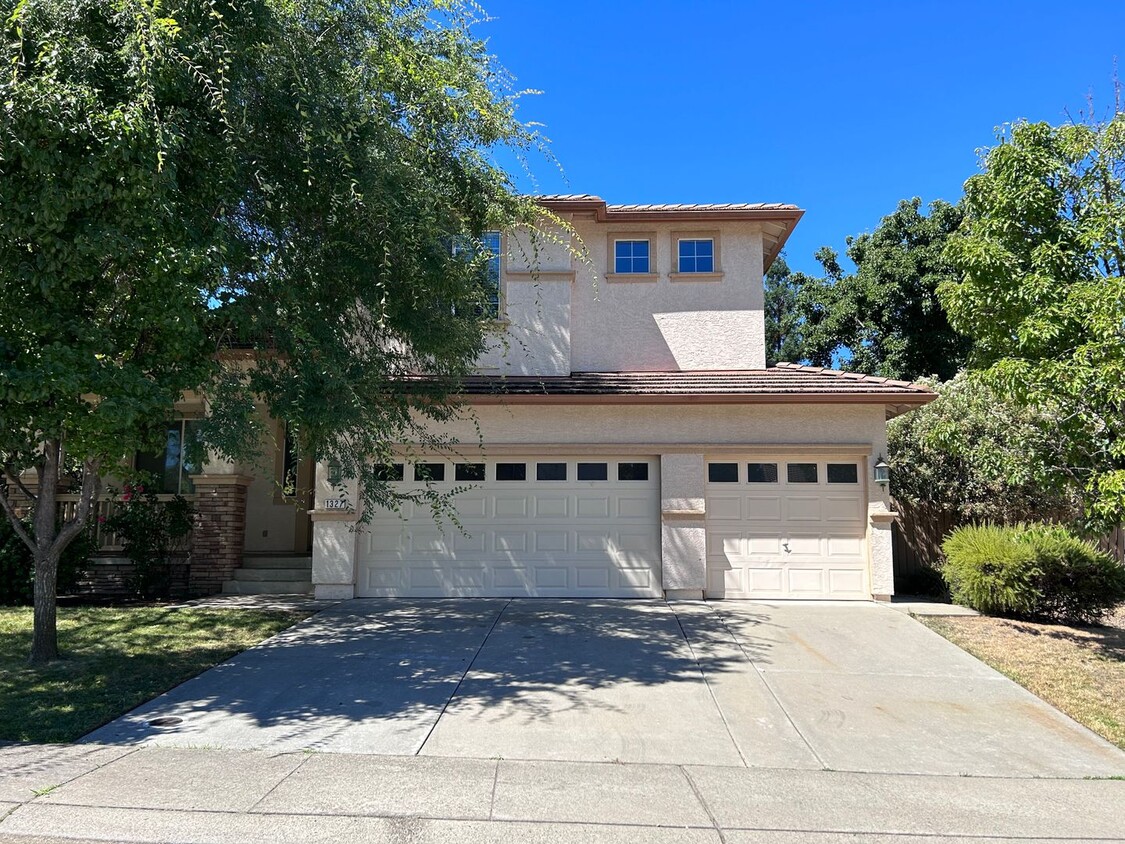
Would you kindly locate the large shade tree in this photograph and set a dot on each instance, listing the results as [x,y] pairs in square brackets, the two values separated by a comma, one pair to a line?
[1041,289]
[885,318]
[181,179]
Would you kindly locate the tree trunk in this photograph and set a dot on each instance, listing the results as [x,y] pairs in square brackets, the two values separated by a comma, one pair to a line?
[45,639]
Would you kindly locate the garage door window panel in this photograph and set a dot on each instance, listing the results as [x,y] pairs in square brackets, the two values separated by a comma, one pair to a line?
[469,472]
[842,473]
[761,473]
[801,473]
[550,471]
[511,471]
[632,471]
[722,473]
[593,471]
[393,472]
[429,472]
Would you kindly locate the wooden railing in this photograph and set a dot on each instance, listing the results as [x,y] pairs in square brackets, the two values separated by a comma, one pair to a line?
[106,540]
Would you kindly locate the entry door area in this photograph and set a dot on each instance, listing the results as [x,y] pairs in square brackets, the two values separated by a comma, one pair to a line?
[786,527]
[534,526]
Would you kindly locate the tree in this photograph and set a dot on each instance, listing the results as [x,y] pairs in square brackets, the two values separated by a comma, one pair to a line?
[1040,289]
[783,320]
[282,176]
[975,452]
[886,318]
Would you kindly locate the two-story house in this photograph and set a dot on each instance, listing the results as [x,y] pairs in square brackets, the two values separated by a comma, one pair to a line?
[632,441]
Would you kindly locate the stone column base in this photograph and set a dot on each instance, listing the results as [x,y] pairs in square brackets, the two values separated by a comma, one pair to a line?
[219,536]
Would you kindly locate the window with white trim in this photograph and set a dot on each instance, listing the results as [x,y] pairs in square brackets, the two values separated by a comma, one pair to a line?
[631,257]
[695,255]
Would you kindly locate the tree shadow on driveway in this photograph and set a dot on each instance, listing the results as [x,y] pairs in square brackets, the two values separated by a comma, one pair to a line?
[376,675]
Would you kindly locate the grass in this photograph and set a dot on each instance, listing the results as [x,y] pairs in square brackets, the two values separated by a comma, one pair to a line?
[113,660]
[1079,670]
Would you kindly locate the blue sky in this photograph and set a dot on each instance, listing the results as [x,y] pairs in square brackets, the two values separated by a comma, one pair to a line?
[840,108]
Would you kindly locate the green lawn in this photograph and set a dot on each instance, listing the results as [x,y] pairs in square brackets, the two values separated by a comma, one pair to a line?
[113,660]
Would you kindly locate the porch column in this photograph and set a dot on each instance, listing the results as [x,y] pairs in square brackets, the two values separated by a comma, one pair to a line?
[219,535]
[683,532]
[335,520]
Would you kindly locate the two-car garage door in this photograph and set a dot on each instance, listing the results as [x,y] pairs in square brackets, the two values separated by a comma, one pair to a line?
[589,526]
[556,526]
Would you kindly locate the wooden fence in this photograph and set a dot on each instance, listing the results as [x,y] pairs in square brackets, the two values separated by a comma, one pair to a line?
[918,531]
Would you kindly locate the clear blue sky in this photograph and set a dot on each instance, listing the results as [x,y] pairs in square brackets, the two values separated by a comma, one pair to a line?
[840,108]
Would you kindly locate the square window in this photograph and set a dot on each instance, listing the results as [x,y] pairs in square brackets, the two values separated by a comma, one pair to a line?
[593,471]
[511,471]
[550,471]
[393,472]
[801,473]
[469,472]
[722,473]
[429,471]
[843,473]
[696,255]
[630,256]
[632,471]
[761,473]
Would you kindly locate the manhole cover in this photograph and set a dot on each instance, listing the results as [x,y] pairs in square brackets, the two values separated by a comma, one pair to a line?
[166,721]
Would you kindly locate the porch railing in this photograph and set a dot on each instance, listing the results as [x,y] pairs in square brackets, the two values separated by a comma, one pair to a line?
[106,541]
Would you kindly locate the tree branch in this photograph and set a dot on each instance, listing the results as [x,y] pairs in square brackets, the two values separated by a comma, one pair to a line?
[91,485]
[17,523]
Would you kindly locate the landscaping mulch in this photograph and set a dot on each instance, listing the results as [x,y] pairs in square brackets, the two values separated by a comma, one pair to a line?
[114,658]
[1079,670]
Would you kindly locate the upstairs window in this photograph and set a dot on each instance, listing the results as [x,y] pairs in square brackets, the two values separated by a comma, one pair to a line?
[487,248]
[631,257]
[695,255]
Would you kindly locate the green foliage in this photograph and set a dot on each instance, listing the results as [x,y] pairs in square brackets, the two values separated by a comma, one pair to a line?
[17,565]
[976,452]
[989,569]
[885,318]
[1040,260]
[783,319]
[189,186]
[1031,571]
[152,532]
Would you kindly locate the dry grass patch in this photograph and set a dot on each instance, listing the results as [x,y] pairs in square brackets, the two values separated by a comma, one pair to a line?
[1080,670]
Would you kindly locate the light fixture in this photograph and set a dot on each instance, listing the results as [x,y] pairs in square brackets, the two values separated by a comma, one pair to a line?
[882,472]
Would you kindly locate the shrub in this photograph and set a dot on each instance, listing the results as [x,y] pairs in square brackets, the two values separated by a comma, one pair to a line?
[17,566]
[1031,571]
[151,532]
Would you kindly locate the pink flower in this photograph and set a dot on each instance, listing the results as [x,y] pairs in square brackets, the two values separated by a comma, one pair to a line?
[101,520]
[140,488]
[127,496]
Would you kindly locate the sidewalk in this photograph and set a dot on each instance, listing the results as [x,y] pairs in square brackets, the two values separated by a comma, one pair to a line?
[88,793]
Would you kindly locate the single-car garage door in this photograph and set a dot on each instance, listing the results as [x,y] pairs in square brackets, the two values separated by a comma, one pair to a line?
[786,527]
[533,526]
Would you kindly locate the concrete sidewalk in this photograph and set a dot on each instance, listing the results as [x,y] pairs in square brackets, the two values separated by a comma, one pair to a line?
[177,795]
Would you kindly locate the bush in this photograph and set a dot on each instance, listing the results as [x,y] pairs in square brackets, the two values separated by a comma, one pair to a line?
[151,533]
[1031,571]
[17,566]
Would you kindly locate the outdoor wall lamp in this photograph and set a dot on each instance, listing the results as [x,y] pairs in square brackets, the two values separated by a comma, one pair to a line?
[882,472]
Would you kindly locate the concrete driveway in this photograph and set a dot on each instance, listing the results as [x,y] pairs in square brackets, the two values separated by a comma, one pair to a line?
[843,687]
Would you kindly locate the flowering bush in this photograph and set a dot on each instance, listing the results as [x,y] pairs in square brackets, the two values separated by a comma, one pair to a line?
[151,533]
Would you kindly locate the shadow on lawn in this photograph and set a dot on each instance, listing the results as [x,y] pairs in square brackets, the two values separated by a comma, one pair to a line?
[1108,640]
[395,664]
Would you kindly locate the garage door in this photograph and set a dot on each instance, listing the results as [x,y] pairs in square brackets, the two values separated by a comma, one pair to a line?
[533,526]
[786,528]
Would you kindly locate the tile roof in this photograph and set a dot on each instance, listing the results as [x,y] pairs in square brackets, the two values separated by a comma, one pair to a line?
[720,206]
[782,380]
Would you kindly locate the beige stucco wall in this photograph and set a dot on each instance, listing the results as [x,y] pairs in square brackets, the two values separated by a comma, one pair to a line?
[566,313]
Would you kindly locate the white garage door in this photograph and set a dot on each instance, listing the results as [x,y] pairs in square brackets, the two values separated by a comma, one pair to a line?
[533,526]
[786,528]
